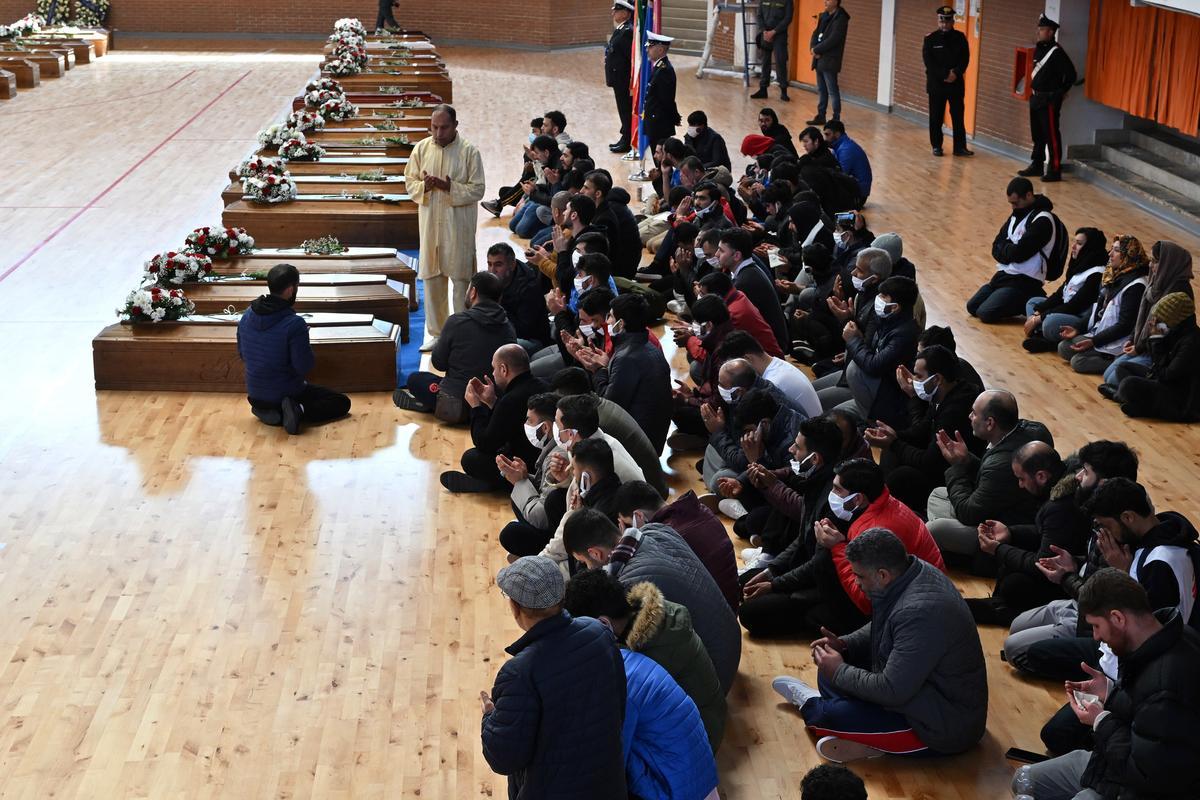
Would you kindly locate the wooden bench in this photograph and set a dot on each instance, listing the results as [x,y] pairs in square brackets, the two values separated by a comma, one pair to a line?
[354,353]
[8,85]
[51,65]
[28,73]
[320,293]
[354,261]
[353,222]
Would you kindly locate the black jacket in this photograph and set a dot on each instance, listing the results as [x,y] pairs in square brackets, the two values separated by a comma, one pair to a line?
[1175,360]
[1157,577]
[775,15]
[1146,746]
[638,379]
[1055,78]
[501,429]
[916,445]
[1080,302]
[561,694]
[468,341]
[660,112]
[942,52]
[985,487]
[1059,523]
[892,341]
[828,40]
[618,57]
[753,282]
[525,304]
[710,147]
[624,243]
[782,136]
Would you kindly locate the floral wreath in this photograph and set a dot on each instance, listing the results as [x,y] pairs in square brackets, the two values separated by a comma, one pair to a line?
[304,121]
[341,66]
[315,98]
[172,268]
[324,85]
[346,39]
[269,188]
[259,166]
[54,12]
[219,242]
[278,133]
[350,25]
[337,109]
[92,13]
[156,304]
[26,25]
[355,53]
[299,150]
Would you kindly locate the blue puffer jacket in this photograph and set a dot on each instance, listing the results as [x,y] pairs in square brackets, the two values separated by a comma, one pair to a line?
[273,343]
[667,756]
[558,698]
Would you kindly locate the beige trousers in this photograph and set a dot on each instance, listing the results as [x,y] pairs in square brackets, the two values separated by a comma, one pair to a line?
[436,308]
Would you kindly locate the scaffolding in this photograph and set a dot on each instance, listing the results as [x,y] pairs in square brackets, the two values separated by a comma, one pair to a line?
[746,20]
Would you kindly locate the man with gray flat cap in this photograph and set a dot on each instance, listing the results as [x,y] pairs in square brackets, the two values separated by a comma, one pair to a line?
[553,721]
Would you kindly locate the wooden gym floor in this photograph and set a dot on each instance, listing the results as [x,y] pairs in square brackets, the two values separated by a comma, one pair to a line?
[199,606]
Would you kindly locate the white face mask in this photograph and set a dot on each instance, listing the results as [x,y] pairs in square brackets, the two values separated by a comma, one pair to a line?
[1160,330]
[837,504]
[697,329]
[560,434]
[580,283]
[575,258]
[714,261]
[693,132]
[699,251]
[881,306]
[587,330]
[617,328]
[859,283]
[533,434]
[799,467]
[585,483]
[926,388]
[727,394]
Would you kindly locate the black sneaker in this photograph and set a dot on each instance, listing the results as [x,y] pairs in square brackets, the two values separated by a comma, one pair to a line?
[964,152]
[462,483]
[1052,177]
[404,400]
[291,416]
[1039,344]
[493,207]
[937,152]
[990,611]
[761,94]
[1032,171]
[619,147]
[1107,390]
[784,97]
[268,416]
[819,119]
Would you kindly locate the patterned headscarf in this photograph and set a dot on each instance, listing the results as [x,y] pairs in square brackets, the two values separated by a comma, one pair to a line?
[1133,259]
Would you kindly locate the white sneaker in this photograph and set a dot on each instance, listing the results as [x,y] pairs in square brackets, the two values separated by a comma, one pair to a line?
[762,562]
[429,343]
[794,690]
[751,553]
[732,508]
[842,750]
[676,307]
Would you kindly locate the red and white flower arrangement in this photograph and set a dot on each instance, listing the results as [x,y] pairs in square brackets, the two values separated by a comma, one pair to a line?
[219,242]
[343,66]
[300,150]
[324,85]
[276,134]
[156,304]
[305,121]
[172,268]
[270,188]
[346,39]
[350,25]
[351,52]
[318,97]
[337,109]
[260,165]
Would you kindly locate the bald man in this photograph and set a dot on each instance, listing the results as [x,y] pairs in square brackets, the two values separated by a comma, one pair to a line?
[497,417]
[984,488]
[444,177]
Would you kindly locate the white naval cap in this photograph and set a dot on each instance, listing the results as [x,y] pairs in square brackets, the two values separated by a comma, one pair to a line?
[658,37]
[625,4]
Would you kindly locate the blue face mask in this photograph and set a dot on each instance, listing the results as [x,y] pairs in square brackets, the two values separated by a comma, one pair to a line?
[532,136]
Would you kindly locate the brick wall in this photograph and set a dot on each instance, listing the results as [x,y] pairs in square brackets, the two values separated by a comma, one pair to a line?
[997,113]
[913,21]
[723,39]
[860,64]
[552,23]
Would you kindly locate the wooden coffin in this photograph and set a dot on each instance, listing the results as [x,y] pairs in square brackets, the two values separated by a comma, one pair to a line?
[97,36]
[369,83]
[376,98]
[347,137]
[336,164]
[8,85]
[354,353]
[353,222]
[355,261]
[51,65]
[85,51]
[325,184]
[344,294]
[66,55]
[404,117]
[27,73]
[348,150]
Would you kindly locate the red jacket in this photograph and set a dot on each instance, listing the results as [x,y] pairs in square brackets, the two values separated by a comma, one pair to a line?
[745,317]
[886,512]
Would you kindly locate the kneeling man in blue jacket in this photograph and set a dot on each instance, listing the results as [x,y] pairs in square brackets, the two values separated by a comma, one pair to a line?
[273,344]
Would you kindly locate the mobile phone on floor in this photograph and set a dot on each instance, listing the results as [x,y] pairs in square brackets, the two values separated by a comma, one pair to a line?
[1026,756]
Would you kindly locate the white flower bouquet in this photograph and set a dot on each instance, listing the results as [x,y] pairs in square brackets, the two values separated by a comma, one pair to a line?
[172,268]
[324,85]
[315,98]
[269,188]
[342,66]
[355,53]
[350,25]
[156,304]
[337,108]
[26,25]
[259,166]
[278,133]
[346,39]
[299,150]
[219,242]
[305,121]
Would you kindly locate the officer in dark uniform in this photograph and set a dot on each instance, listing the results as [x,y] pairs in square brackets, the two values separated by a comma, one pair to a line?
[618,64]
[1053,77]
[946,55]
[386,19]
[659,113]
[774,20]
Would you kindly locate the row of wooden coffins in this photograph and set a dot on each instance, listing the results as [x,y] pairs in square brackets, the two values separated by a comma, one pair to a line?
[31,52]
[324,190]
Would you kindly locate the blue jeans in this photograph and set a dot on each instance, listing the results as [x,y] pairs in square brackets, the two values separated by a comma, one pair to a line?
[993,304]
[1129,365]
[849,718]
[1033,305]
[542,236]
[1052,326]
[525,222]
[827,87]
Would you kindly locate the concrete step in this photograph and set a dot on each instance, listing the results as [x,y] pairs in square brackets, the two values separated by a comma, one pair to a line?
[1163,170]
[1178,149]
[1146,194]
[698,15]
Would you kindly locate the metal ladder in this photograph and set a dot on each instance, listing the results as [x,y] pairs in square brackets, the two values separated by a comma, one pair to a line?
[749,14]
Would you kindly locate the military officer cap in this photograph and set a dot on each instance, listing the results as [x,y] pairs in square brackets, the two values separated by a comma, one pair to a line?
[658,37]
[1046,22]
[624,5]
[946,12]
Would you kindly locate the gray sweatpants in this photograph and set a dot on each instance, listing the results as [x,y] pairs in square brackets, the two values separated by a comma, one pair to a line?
[951,535]
[1058,778]
[1055,620]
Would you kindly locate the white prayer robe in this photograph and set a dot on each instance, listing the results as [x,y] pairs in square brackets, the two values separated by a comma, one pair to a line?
[447,219]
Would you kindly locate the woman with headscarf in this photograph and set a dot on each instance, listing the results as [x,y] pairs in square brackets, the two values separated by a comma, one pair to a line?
[1071,301]
[768,123]
[1170,271]
[1171,390]
[1112,319]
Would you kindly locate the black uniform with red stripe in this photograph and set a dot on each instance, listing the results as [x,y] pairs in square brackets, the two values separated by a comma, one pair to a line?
[1054,75]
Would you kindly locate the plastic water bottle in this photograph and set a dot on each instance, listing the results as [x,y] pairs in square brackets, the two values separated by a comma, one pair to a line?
[1022,783]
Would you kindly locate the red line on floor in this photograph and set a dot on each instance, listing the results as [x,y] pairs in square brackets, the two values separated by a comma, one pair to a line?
[110,100]
[91,203]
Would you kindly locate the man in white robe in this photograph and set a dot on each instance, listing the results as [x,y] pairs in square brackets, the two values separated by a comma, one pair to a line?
[444,177]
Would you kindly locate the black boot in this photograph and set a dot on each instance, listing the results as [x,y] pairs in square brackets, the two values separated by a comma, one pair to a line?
[761,94]
[1032,171]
